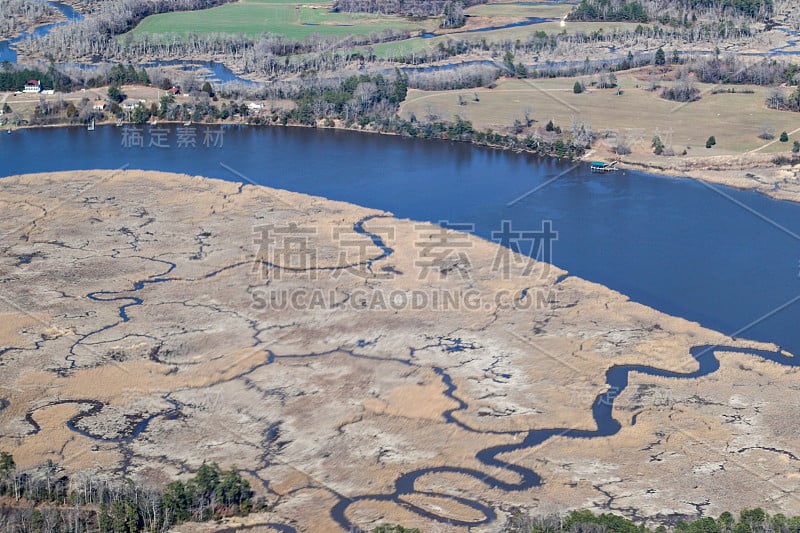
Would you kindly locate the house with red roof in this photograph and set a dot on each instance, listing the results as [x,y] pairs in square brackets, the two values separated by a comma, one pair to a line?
[33,86]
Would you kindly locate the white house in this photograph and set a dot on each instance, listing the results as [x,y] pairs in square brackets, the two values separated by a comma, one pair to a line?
[130,105]
[33,86]
[99,106]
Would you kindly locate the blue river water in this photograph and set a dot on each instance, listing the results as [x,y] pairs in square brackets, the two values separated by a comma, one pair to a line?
[725,258]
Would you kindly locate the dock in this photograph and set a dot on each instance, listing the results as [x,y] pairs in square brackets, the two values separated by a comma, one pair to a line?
[602,166]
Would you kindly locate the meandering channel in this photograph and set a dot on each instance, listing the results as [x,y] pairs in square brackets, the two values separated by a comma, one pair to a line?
[616,379]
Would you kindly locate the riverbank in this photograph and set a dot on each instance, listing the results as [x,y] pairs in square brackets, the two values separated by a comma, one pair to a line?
[753,172]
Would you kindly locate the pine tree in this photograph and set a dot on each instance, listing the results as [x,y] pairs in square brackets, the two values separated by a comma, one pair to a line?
[658,146]
[661,57]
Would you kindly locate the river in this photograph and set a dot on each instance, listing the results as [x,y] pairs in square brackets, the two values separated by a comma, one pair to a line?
[725,258]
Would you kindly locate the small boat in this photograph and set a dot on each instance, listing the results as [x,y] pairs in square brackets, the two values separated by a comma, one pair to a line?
[602,166]
[9,131]
[91,126]
[119,123]
[187,123]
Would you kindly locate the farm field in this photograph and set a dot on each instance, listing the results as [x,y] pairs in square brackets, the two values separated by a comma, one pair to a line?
[298,20]
[292,19]
[735,119]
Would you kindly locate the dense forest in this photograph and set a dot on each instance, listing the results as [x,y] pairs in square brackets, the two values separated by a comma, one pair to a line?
[684,12]
[14,78]
[610,10]
[46,500]
[749,521]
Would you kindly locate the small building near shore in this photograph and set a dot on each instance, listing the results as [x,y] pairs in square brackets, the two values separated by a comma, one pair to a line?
[33,86]
[130,104]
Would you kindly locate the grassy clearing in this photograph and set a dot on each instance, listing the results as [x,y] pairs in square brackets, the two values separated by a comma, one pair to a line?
[736,120]
[519,10]
[293,19]
[298,19]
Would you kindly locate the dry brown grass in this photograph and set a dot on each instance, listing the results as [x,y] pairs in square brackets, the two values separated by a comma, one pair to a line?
[352,416]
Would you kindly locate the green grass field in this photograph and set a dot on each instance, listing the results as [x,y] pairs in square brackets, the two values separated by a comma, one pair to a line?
[734,119]
[293,19]
[298,19]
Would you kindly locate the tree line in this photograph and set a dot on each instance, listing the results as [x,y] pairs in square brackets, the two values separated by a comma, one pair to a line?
[409,8]
[609,10]
[783,101]
[91,36]
[14,77]
[754,520]
[46,500]
[686,12]
[732,69]
[274,56]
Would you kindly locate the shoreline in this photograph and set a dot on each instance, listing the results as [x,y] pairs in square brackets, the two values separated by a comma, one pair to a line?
[740,171]
[28,30]
[737,171]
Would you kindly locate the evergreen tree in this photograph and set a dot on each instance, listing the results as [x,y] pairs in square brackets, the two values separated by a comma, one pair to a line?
[658,146]
[661,57]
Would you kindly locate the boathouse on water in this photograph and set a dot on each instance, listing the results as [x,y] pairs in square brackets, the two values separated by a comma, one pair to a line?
[602,166]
